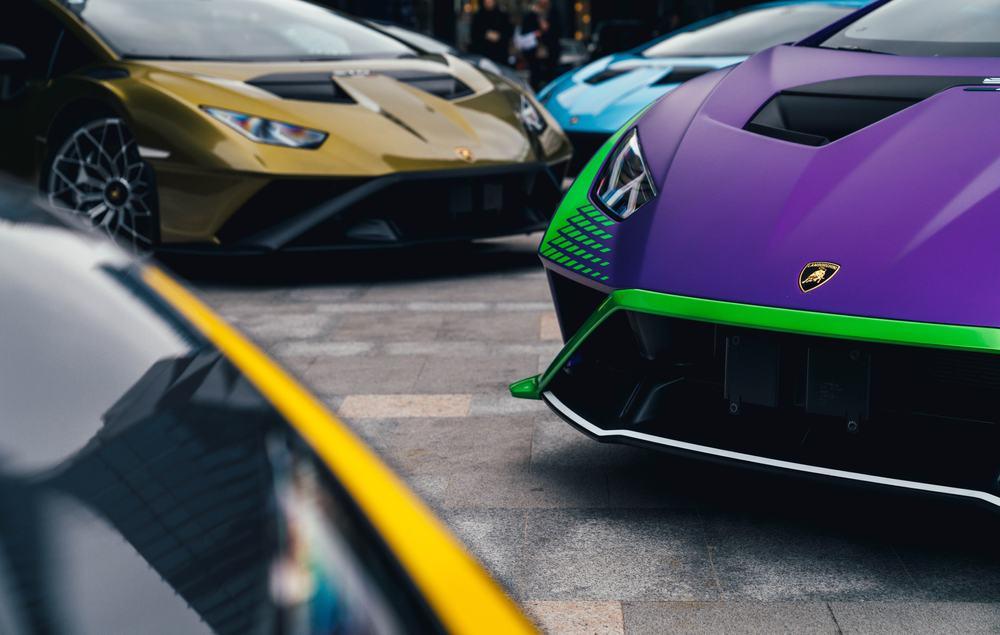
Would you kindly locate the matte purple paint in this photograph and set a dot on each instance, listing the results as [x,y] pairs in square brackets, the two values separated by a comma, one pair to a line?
[909,207]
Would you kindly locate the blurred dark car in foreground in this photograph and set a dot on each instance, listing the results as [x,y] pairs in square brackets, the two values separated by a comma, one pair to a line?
[159,474]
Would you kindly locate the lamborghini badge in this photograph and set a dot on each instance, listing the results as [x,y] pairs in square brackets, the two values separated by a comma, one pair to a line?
[816,274]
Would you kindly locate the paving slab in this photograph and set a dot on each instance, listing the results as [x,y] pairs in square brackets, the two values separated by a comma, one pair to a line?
[452,445]
[773,561]
[388,326]
[487,373]
[496,537]
[617,555]
[909,618]
[573,617]
[397,406]
[363,375]
[695,618]
[532,488]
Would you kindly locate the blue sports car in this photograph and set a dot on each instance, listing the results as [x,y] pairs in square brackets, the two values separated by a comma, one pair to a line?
[592,102]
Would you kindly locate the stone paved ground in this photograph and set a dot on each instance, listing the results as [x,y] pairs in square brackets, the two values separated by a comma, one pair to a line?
[415,350]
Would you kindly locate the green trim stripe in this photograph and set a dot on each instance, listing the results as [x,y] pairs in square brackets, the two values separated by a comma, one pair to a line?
[924,334]
[577,236]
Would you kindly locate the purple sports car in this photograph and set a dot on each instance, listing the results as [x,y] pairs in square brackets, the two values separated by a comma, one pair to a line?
[793,263]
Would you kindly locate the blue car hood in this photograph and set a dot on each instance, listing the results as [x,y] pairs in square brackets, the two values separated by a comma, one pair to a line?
[633,83]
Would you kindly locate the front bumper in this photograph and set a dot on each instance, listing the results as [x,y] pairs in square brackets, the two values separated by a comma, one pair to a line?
[900,404]
[396,210]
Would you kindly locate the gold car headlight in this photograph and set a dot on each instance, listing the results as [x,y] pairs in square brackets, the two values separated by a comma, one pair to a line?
[268,131]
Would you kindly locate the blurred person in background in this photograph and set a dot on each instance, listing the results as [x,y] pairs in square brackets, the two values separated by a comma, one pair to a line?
[539,42]
[491,33]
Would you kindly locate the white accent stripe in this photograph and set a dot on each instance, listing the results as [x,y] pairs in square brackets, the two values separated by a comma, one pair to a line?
[153,153]
[760,460]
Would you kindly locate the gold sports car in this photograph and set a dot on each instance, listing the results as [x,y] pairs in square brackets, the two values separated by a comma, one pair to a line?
[263,125]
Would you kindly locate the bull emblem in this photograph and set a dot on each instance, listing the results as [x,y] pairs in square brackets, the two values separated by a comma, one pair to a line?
[815,277]
[816,274]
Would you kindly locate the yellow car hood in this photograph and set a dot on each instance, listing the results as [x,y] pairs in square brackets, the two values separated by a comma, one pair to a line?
[388,125]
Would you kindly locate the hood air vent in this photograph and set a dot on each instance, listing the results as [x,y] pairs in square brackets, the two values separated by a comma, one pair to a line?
[303,87]
[323,88]
[681,74]
[438,84]
[606,75]
[818,114]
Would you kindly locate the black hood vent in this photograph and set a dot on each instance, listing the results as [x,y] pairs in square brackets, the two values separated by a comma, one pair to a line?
[323,87]
[607,74]
[303,87]
[681,74]
[818,114]
[440,85]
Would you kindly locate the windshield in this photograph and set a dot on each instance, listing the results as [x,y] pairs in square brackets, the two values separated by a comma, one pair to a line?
[235,30]
[970,28]
[747,32]
[419,40]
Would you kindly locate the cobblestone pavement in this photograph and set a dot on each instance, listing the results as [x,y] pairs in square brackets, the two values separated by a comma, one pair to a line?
[415,350]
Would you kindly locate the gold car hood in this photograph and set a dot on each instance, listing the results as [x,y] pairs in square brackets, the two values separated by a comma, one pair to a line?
[388,125]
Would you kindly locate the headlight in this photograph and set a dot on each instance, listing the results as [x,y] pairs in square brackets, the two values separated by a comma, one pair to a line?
[624,184]
[267,131]
[530,117]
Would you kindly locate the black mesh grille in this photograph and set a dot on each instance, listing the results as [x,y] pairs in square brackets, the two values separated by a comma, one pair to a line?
[459,207]
[922,414]
[400,208]
[277,202]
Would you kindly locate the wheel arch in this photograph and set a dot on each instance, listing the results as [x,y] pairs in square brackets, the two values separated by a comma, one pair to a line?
[71,114]
[80,111]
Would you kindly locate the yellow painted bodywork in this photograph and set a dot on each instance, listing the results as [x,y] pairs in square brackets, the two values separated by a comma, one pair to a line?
[212,170]
[460,592]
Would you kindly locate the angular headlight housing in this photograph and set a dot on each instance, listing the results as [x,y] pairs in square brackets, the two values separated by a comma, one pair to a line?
[268,131]
[531,117]
[624,183]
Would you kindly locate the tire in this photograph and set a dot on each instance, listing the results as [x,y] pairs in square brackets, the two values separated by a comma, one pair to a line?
[97,174]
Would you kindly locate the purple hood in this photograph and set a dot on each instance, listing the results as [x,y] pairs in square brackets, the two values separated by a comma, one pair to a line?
[908,206]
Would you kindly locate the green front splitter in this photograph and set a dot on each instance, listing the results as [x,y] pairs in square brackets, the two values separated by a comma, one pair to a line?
[848,327]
